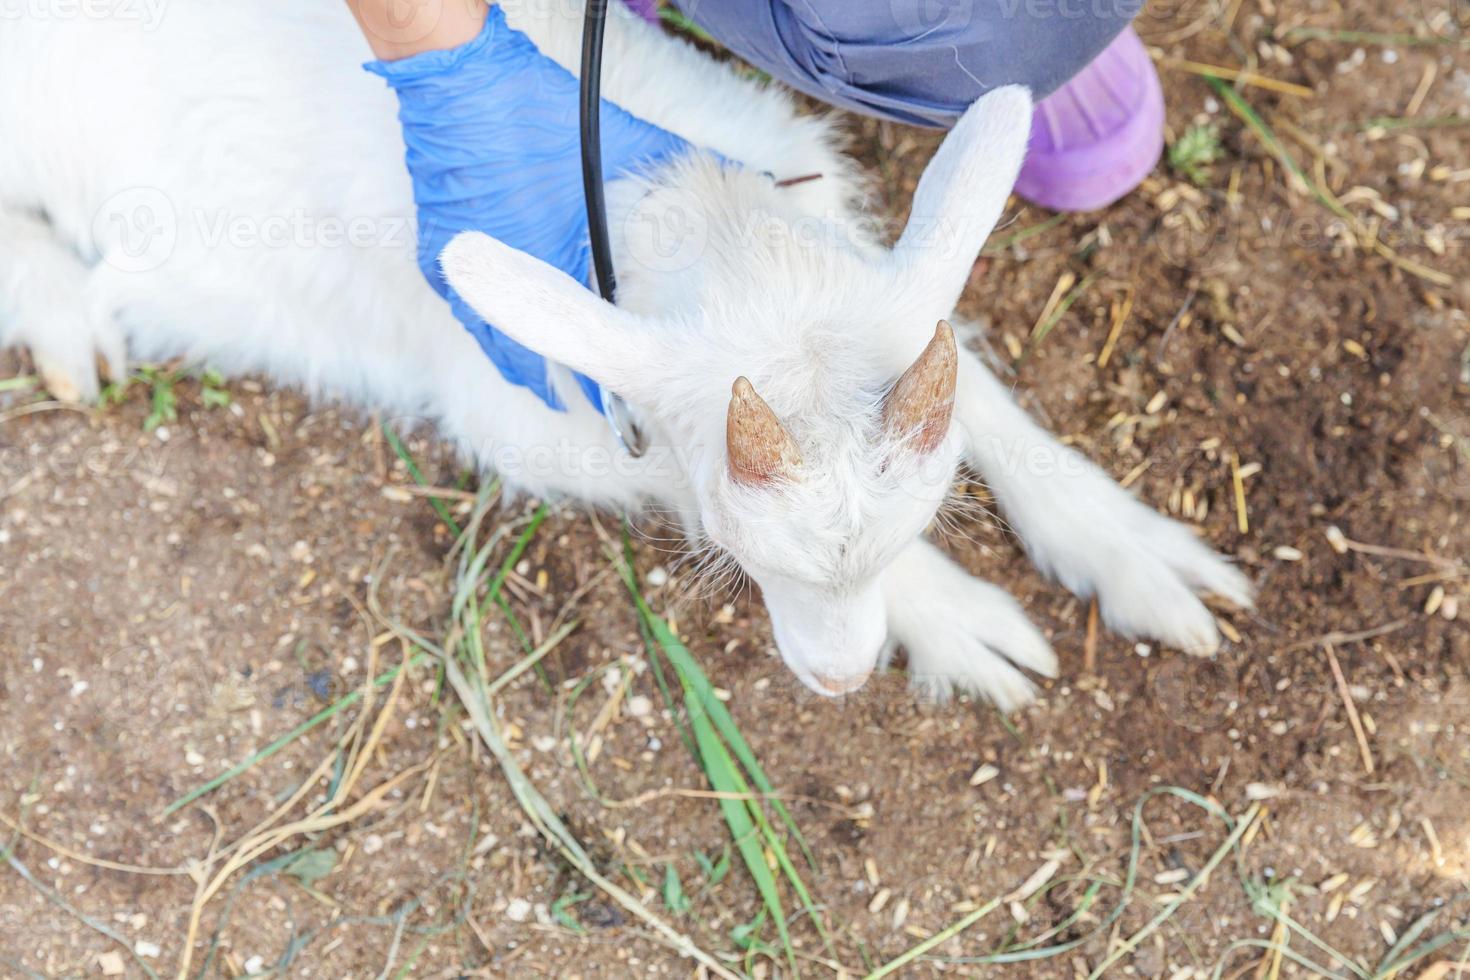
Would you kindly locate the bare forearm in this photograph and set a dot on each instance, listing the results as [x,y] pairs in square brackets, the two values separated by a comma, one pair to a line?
[400,28]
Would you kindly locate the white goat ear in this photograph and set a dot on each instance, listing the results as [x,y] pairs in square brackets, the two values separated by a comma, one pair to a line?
[962,193]
[549,312]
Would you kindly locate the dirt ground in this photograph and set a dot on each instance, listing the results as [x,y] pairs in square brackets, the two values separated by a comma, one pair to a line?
[172,601]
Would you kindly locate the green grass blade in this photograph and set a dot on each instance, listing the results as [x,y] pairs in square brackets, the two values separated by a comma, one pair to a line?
[440,507]
[1044,328]
[999,245]
[23,383]
[517,550]
[719,715]
[706,711]
[725,778]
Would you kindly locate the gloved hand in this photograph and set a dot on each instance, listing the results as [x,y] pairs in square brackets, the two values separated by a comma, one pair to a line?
[492,135]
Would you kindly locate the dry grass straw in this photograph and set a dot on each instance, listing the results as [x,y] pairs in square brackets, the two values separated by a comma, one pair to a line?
[359,744]
[476,692]
[1120,309]
[1352,709]
[1238,75]
[1317,187]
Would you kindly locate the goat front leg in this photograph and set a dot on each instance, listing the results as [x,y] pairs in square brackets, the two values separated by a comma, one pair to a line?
[1090,534]
[961,634]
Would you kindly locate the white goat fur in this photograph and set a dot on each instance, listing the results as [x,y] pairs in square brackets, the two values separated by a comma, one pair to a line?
[222,112]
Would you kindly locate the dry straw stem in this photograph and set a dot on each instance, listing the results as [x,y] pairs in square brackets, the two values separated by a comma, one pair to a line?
[476,698]
[664,792]
[1318,188]
[1089,642]
[1185,895]
[1352,709]
[544,818]
[21,411]
[1239,76]
[80,858]
[1339,638]
[1237,481]
[934,940]
[1120,310]
[264,838]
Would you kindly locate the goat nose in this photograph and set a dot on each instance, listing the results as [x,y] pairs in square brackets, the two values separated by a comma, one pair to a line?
[842,685]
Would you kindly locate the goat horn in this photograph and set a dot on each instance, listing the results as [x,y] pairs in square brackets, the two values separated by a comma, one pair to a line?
[921,403]
[760,449]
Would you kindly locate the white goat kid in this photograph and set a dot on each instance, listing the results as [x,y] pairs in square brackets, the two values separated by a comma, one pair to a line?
[172,192]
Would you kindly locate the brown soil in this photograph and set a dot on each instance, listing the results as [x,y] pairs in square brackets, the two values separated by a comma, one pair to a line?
[173,601]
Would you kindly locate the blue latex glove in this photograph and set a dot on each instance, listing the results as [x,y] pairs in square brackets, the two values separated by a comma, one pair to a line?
[491,130]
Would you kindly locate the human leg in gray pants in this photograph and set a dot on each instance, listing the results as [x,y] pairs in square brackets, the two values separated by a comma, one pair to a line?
[923,62]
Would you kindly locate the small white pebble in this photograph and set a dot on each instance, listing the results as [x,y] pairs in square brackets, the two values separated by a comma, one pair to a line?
[519,910]
[657,576]
[639,706]
[372,844]
[256,964]
[193,758]
[984,774]
[1142,649]
[144,948]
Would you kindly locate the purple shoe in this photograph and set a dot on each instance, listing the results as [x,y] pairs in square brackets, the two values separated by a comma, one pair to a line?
[1095,138]
[647,9]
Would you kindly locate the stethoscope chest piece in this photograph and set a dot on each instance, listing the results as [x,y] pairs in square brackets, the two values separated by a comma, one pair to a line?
[624,426]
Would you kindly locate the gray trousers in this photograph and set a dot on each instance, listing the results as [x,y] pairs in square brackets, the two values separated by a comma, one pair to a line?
[914,61]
